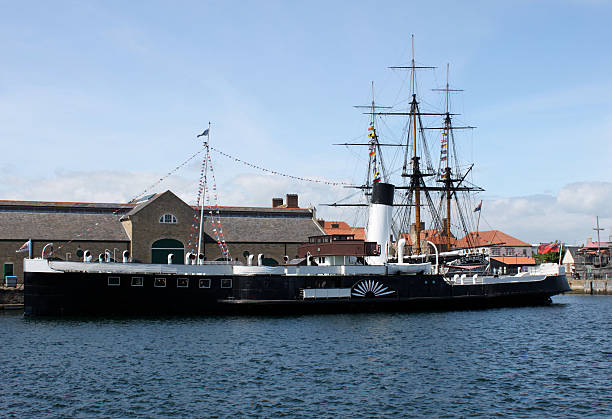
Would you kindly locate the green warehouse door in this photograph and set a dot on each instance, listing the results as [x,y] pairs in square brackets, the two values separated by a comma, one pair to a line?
[162,248]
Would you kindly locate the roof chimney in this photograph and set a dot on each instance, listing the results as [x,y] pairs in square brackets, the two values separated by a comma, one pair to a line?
[292,201]
[277,202]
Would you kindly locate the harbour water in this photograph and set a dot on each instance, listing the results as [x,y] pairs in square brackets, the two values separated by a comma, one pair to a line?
[553,361]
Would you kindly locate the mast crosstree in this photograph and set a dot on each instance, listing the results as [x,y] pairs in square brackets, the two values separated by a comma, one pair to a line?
[448,180]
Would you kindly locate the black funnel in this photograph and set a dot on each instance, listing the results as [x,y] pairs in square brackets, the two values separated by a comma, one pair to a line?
[382,193]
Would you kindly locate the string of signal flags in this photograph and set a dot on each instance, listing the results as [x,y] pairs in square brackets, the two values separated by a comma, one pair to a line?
[189,159]
[274,172]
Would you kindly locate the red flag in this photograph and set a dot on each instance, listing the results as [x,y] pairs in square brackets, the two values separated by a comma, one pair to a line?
[548,248]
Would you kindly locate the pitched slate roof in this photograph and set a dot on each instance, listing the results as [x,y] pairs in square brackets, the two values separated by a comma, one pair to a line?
[21,220]
[62,226]
[269,229]
[146,202]
[47,206]
[490,238]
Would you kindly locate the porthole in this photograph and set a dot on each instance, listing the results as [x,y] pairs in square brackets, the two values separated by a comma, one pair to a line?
[226,283]
[182,282]
[114,281]
[137,281]
[160,282]
[204,283]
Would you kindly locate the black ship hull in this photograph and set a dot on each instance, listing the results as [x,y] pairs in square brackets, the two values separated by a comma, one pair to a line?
[80,293]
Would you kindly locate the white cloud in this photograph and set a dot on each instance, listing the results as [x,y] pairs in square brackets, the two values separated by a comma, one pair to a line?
[569,216]
[586,197]
[95,186]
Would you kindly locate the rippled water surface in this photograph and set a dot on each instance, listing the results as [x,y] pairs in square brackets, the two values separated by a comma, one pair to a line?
[518,362]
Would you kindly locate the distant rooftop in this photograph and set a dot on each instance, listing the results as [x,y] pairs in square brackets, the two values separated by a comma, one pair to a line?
[489,238]
[341,227]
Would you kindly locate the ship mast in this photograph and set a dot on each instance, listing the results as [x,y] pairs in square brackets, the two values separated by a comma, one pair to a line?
[418,191]
[446,177]
[445,133]
[416,177]
[448,144]
[415,159]
[376,165]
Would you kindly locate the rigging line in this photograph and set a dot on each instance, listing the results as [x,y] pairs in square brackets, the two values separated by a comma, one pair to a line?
[274,172]
[170,173]
[400,90]
[131,201]
[348,197]
[222,243]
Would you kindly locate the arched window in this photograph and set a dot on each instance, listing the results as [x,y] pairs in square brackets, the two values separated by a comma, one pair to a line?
[167,219]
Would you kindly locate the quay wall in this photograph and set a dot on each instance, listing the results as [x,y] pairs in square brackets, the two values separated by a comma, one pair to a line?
[11,296]
[591,286]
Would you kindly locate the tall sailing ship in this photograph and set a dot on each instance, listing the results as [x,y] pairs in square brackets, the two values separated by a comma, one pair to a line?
[435,204]
[333,273]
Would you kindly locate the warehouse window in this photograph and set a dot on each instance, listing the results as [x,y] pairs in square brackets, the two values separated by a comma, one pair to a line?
[226,283]
[160,282]
[8,269]
[114,281]
[182,282]
[137,281]
[167,219]
[204,283]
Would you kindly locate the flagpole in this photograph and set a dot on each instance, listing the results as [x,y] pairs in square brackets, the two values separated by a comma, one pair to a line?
[30,249]
[203,193]
[478,222]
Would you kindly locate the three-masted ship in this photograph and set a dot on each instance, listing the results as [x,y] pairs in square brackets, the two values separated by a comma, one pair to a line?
[434,203]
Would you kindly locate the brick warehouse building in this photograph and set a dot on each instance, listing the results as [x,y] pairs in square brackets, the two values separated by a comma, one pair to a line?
[149,230]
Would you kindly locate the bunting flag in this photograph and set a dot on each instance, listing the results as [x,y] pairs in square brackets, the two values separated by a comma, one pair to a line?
[205,133]
[372,153]
[207,198]
[202,193]
[372,134]
[146,191]
[444,149]
[371,128]
[478,207]
[274,172]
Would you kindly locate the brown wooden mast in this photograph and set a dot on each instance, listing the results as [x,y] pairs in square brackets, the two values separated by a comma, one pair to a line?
[446,133]
[450,186]
[447,146]
[415,159]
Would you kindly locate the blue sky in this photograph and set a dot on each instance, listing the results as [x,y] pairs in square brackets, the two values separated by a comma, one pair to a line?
[99,99]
